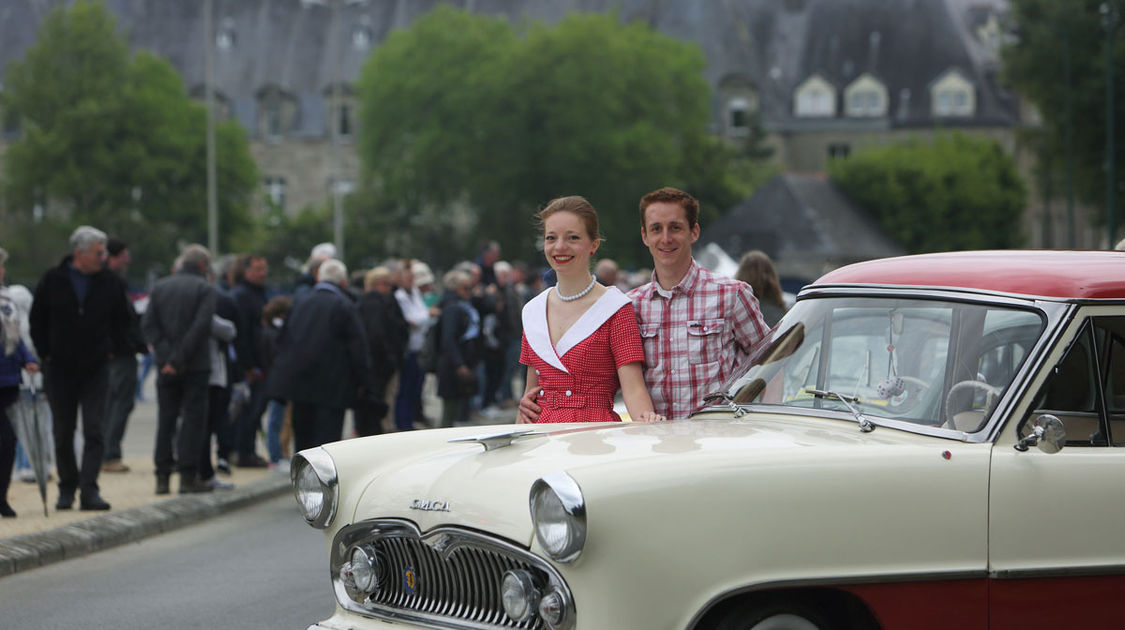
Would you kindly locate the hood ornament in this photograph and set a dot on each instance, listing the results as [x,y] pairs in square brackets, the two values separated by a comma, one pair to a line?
[498,440]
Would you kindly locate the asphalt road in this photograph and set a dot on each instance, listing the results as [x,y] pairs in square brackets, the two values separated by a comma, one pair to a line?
[258,567]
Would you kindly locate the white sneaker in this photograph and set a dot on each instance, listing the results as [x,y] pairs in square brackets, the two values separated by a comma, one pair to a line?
[219,484]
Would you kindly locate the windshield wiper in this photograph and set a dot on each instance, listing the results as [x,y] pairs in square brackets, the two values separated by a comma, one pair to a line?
[724,397]
[865,425]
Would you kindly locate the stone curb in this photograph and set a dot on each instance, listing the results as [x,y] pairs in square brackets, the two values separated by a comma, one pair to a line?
[28,551]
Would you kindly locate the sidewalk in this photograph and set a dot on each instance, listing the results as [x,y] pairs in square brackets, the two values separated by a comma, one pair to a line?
[32,540]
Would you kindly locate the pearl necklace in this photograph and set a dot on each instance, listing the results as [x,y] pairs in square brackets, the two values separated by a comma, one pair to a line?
[580,294]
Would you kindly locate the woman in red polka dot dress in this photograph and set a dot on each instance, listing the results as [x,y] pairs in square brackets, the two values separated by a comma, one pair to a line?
[580,339]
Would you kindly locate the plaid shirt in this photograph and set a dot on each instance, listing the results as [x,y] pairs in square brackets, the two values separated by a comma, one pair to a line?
[695,336]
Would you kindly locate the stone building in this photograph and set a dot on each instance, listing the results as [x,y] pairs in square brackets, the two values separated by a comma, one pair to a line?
[826,78]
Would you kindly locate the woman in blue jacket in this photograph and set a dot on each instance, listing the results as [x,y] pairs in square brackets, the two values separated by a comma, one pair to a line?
[15,357]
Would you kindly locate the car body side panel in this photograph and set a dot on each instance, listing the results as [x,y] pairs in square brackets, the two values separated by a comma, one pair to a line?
[794,517]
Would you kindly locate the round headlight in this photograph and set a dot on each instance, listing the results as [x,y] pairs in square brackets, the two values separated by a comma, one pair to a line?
[365,569]
[518,595]
[313,475]
[559,514]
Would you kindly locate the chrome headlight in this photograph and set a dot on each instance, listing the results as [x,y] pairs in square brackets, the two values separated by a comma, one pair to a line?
[558,512]
[313,475]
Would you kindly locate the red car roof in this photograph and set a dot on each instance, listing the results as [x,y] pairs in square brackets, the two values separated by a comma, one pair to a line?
[1059,274]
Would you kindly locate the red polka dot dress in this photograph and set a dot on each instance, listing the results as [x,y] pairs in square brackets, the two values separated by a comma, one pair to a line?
[578,377]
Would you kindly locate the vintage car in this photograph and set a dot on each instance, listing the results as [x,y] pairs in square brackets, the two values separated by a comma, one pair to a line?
[922,442]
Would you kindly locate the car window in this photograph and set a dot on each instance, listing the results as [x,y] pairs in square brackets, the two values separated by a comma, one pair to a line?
[1086,389]
[926,362]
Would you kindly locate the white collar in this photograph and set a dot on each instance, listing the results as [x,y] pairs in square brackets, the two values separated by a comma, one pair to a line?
[539,333]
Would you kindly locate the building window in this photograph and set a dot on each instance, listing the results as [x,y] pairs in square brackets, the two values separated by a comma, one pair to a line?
[839,150]
[344,118]
[224,36]
[739,111]
[815,98]
[738,101]
[952,95]
[275,191]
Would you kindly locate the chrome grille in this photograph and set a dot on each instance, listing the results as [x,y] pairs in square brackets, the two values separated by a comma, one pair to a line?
[456,575]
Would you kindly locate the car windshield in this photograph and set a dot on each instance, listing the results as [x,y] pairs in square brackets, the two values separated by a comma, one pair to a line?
[927,362]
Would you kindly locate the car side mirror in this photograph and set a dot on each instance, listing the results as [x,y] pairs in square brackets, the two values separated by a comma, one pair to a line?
[1048,433]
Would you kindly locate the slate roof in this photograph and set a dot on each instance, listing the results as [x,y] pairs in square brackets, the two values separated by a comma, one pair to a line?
[775,44]
[805,223]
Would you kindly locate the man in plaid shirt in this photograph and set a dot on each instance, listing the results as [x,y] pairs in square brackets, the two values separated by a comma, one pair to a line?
[697,327]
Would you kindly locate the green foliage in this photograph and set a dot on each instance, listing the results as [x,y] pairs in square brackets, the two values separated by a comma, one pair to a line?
[954,194]
[461,112]
[112,140]
[1051,32]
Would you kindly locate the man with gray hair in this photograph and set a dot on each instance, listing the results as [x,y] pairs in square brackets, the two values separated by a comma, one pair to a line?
[322,364]
[177,324]
[77,320]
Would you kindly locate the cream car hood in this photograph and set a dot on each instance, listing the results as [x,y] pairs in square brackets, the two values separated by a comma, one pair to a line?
[422,477]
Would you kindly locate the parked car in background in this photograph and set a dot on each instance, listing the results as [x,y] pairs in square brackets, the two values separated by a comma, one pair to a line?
[922,442]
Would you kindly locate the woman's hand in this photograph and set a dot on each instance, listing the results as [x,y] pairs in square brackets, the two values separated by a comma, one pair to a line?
[650,416]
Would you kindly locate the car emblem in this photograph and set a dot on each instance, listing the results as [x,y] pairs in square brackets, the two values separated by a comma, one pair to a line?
[430,506]
[409,580]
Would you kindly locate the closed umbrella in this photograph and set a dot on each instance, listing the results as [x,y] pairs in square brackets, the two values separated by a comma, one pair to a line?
[30,419]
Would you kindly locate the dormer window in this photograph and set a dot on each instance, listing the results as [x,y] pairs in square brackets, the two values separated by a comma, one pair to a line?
[866,97]
[738,101]
[815,98]
[361,34]
[277,113]
[952,95]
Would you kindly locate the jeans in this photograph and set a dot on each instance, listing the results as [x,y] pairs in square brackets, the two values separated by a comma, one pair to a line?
[409,398]
[275,417]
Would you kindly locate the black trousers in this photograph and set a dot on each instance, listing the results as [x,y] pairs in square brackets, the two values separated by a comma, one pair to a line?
[183,397]
[249,421]
[314,425]
[66,392]
[8,395]
[121,397]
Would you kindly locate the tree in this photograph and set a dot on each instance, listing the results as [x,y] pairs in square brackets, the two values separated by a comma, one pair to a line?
[1049,35]
[462,112]
[112,140]
[956,193]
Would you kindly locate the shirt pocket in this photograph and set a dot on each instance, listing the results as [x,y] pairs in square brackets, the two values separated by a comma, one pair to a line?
[705,340]
[650,339]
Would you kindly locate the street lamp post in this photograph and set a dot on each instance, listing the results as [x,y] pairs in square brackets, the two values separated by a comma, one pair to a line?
[1109,21]
[209,98]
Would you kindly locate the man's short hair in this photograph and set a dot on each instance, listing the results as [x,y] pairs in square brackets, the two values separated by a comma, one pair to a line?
[84,237]
[672,195]
[195,256]
[114,246]
[456,278]
[332,271]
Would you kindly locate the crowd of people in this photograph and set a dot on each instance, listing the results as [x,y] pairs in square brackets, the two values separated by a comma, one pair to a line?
[558,345]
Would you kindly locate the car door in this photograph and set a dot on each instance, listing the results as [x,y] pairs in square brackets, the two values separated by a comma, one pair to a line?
[1057,520]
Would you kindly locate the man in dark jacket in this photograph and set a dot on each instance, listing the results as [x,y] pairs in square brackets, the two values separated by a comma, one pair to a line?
[322,361]
[177,324]
[250,298]
[77,320]
[122,367]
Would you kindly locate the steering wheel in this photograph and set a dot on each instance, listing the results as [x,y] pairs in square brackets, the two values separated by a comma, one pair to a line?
[989,390]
